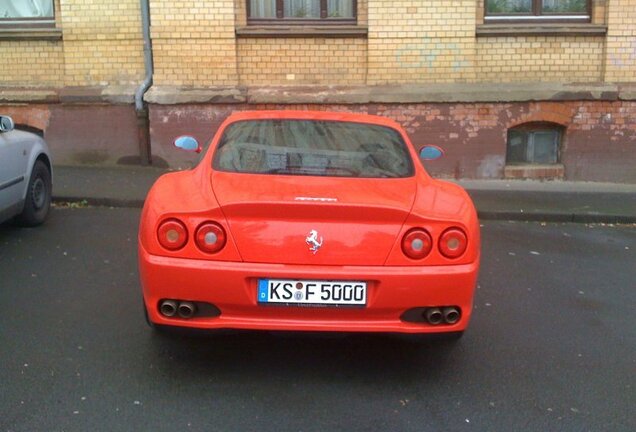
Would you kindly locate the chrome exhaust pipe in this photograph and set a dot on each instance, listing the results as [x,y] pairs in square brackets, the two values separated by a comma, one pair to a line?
[451,315]
[168,308]
[187,309]
[434,316]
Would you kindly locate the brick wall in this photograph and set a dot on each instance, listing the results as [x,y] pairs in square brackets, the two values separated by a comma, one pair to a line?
[314,60]
[415,41]
[37,63]
[194,42]
[408,41]
[598,142]
[620,62]
[19,58]
[102,42]
[539,58]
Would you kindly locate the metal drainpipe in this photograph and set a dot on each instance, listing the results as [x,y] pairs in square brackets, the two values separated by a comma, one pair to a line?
[141,109]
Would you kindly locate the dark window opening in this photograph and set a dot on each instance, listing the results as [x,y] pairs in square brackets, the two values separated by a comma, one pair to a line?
[537,10]
[301,11]
[534,144]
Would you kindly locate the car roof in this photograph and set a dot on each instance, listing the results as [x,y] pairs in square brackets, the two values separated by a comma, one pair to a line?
[313,115]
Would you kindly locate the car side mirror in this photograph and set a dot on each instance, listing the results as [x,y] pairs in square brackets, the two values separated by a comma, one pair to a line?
[431,152]
[187,143]
[6,124]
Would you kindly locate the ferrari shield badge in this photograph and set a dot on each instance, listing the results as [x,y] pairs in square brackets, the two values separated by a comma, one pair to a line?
[313,242]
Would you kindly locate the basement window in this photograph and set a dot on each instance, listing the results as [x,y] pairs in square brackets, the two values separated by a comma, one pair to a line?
[301,11]
[533,151]
[497,11]
[534,143]
[27,14]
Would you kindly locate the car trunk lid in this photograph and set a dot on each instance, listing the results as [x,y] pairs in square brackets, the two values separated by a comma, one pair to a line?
[311,220]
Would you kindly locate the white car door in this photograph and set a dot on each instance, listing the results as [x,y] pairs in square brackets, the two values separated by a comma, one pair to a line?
[14,154]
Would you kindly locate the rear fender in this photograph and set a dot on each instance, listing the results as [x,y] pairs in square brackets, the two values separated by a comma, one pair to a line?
[187,197]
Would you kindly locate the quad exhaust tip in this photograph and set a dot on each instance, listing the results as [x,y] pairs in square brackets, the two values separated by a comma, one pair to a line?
[168,308]
[172,308]
[442,315]
[186,309]
[434,316]
[451,315]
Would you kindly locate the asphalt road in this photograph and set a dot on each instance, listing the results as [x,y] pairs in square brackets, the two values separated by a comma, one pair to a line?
[552,346]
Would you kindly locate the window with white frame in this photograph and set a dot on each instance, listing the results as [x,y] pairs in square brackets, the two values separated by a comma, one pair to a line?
[537,10]
[27,13]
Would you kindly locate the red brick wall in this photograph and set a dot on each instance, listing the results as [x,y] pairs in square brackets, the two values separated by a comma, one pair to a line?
[599,140]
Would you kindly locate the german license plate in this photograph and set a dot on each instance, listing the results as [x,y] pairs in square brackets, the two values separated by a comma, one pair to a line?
[311,292]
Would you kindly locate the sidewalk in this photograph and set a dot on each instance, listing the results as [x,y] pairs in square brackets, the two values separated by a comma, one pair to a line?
[553,201]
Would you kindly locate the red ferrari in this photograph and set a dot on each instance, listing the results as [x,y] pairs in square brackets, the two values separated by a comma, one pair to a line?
[309,221]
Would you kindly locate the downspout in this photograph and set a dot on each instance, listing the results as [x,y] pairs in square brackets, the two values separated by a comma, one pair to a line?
[141,108]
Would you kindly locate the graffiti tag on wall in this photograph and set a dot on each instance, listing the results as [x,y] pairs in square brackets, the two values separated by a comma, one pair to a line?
[425,55]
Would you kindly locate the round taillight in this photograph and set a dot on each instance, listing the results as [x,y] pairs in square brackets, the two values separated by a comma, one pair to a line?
[210,237]
[417,243]
[452,243]
[172,234]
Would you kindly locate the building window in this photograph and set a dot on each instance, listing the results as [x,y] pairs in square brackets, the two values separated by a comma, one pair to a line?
[537,10]
[534,144]
[301,11]
[27,13]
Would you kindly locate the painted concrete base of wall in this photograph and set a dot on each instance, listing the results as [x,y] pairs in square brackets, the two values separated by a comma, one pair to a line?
[599,136]
[598,141]
[82,134]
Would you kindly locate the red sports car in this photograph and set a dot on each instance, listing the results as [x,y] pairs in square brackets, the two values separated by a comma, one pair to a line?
[309,221]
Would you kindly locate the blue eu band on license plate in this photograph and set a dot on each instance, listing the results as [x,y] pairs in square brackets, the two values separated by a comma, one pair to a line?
[311,292]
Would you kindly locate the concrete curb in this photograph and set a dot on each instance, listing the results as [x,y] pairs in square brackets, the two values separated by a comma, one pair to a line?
[556,217]
[100,202]
[483,214]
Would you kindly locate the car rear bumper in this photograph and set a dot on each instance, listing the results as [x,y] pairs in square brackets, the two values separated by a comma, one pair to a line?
[232,288]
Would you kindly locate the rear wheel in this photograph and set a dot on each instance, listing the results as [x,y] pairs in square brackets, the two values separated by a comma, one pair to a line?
[38,197]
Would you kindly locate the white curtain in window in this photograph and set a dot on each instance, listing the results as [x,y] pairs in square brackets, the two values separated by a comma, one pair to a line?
[26,8]
[340,8]
[262,8]
[302,9]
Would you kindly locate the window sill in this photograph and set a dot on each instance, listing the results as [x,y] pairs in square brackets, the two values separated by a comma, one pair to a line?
[49,34]
[302,31]
[541,29]
[530,171]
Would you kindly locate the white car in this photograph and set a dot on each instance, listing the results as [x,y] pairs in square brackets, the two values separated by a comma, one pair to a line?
[25,175]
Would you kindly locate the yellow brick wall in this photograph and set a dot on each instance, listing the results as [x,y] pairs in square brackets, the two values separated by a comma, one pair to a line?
[314,60]
[420,42]
[102,42]
[301,60]
[599,11]
[32,63]
[240,12]
[620,61]
[409,41]
[194,42]
[539,58]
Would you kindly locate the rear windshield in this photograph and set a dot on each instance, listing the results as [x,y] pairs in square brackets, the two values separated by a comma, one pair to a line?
[310,147]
